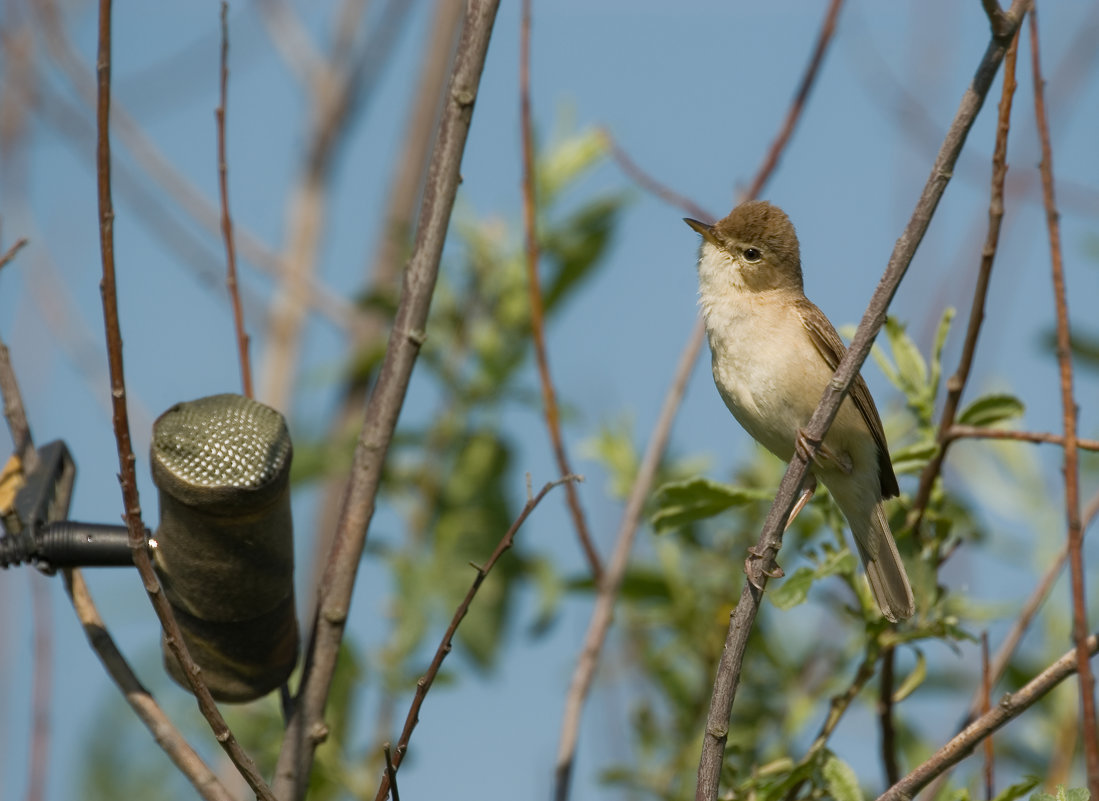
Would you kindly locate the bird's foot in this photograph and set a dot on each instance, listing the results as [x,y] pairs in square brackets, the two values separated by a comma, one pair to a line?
[803,498]
[761,562]
[824,456]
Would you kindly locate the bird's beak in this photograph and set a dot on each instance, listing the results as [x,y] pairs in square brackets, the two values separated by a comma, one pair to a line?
[707,231]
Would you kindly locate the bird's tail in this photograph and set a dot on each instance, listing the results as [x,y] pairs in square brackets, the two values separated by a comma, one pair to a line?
[884,568]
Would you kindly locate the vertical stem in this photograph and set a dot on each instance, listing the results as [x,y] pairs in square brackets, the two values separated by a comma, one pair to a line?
[537,310]
[127,474]
[226,218]
[306,728]
[1068,404]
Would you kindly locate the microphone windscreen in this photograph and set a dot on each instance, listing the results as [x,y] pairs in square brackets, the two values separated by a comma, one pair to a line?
[225,551]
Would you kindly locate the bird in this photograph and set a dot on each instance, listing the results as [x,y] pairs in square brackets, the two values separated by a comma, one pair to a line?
[773,351]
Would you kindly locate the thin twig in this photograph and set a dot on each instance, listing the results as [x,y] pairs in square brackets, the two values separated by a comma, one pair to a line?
[160,726]
[986,704]
[650,184]
[42,691]
[602,613]
[1068,404]
[956,384]
[979,432]
[445,645]
[11,252]
[837,707]
[306,727]
[226,219]
[16,413]
[1011,705]
[147,710]
[41,694]
[169,181]
[391,773]
[885,716]
[537,307]
[607,594]
[339,95]
[743,617]
[390,252]
[127,474]
[793,113]
[1015,635]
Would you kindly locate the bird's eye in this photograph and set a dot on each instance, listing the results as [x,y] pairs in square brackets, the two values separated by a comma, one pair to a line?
[752,254]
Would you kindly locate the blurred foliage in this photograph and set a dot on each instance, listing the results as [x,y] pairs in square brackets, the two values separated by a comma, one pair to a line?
[818,639]
[810,681]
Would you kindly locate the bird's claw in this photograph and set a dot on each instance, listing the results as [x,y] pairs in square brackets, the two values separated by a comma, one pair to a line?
[761,562]
[823,457]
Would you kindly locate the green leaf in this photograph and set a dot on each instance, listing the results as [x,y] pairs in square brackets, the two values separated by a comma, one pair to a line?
[682,502]
[1018,790]
[990,410]
[841,781]
[576,245]
[562,162]
[912,458]
[1075,794]
[794,589]
[937,348]
[913,680]
[910,363]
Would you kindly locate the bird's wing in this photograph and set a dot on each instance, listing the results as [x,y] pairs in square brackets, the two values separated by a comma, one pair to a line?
[831,349]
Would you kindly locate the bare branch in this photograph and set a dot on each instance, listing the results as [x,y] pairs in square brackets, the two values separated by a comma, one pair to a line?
[164,732]
[42,690]
[127,474]
[11,252]
[1011,642]
[986,704]
[391,249]
[226,219]
[607,594]
[743,617]
[956,384]
[340,92]
[425,682]
[15,413]
[979,432]
[391,773]
[156,167]
[1068,404]
[885,716]
[1010,706]
[603,610]
[650,184]
[793,114]
[537,308]
[147,710]
[306,727]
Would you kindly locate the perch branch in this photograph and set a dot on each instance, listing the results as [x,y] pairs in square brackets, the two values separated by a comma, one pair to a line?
[1011,706]
[743,617]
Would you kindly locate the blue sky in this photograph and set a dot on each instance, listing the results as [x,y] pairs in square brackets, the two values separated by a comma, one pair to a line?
[694,92]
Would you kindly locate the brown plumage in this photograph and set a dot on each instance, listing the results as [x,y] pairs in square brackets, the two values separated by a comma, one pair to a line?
[773,353]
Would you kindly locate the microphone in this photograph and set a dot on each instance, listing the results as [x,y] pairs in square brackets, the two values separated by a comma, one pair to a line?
[224,548]
[224,551]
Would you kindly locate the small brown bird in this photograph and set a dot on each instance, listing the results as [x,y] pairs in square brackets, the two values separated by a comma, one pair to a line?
[773,353]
